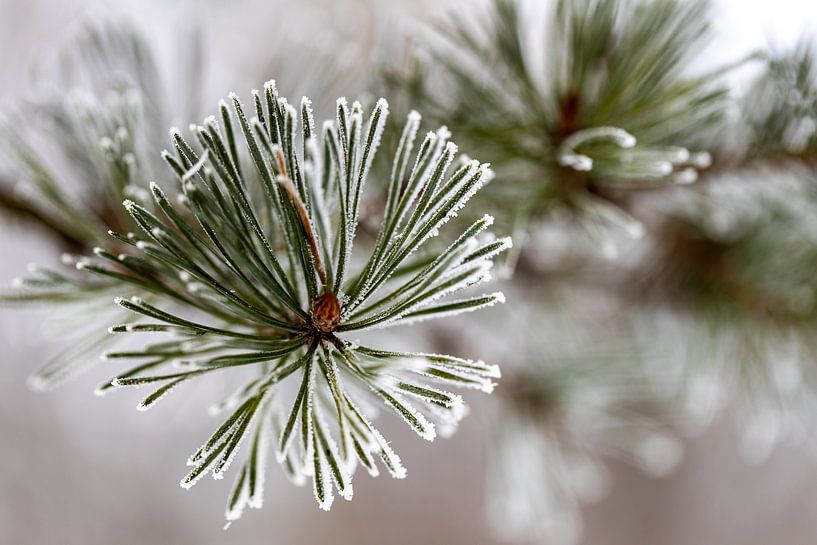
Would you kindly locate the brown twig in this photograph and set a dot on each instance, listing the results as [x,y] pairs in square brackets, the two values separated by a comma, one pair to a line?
[12,206]
[303,215]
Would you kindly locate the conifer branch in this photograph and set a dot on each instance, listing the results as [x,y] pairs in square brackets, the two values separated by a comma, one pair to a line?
[230,274]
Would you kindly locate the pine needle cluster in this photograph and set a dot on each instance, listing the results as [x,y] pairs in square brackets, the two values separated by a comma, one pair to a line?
[245,261]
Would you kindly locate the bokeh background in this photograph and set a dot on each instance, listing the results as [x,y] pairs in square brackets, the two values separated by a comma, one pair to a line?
[77,469]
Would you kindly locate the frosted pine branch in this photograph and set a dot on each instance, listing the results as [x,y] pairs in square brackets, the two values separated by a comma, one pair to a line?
[250,262]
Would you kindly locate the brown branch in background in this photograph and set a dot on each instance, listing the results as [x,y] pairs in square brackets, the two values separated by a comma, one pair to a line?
[10,205]
[569,116]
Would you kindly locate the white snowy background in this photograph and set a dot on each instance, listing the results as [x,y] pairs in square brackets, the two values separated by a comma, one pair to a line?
[79,470]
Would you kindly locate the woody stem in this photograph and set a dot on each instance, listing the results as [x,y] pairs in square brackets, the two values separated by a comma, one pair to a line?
[303,215]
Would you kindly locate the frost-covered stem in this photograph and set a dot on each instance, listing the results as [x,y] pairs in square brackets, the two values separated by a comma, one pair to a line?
[303,215]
